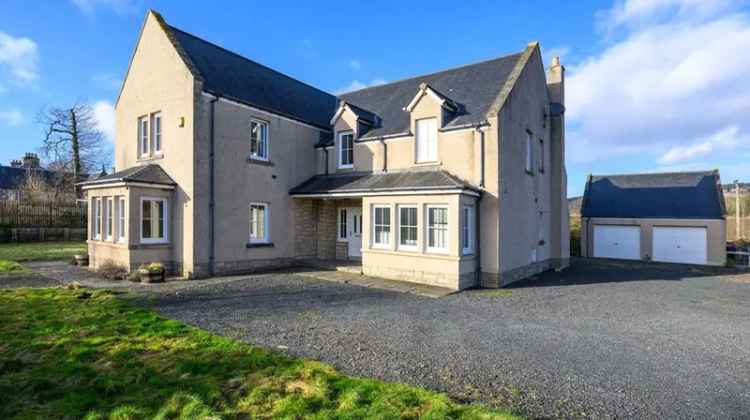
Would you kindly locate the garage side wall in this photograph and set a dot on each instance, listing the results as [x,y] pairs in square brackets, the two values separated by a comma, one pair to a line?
[715,231]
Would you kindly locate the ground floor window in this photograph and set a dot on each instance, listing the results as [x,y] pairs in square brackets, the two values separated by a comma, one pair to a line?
[108,218]
[407,222]
[437,229]
[467,229]
[96,209]
[120,218]
[153,220]
[343,224]
[381,226]
[259,223]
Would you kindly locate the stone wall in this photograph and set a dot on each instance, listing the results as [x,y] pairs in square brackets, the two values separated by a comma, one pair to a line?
[326,248]
[305,228]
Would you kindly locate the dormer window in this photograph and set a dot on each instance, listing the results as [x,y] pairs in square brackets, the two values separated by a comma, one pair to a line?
[426,143]
[259,140]
[346,150]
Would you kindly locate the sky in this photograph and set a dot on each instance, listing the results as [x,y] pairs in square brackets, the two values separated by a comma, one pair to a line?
[652,85]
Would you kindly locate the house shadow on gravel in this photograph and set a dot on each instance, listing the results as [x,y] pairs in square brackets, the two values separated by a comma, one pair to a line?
[595,270]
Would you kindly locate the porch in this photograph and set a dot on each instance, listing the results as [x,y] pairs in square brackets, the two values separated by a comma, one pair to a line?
[328,231]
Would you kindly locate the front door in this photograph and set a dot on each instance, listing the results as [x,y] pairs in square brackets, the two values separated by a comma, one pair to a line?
[354,225]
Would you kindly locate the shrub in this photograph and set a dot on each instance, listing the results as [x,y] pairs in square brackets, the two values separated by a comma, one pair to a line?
[111,270]
[153,267]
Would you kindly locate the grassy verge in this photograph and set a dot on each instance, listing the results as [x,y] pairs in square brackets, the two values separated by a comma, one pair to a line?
[41,251]
[76,353]
[11,267]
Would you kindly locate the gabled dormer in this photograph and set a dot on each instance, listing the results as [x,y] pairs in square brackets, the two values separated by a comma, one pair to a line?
[447,107]
[350,122]
[429,112]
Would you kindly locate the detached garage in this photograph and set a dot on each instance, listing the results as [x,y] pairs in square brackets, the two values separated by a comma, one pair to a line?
[666,217]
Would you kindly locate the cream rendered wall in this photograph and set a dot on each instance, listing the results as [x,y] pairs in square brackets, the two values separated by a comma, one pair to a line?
[240,181]
[158,80]
[715,230]
[524,196]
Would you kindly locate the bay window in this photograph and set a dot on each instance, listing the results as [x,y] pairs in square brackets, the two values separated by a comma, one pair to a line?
[120,219]
[153,220]
[381,226]
[108,218]
[407,222]
[96,209]
[467,229]
[437,229]
[259,223]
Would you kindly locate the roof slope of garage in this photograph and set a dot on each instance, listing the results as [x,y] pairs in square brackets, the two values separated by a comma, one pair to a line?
[675,195]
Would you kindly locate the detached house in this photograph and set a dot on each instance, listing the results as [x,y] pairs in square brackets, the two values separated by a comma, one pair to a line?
[455,178]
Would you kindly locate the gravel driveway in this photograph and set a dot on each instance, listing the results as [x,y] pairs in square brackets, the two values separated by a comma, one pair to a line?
[602,339]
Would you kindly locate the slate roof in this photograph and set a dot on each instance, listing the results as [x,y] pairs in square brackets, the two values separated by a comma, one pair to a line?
[677,195]
[369,183]
[235,77]
[11,178]
[147,174]
[472,88]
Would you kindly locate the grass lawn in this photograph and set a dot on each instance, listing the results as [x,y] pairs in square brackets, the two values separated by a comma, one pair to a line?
[88,354]
[11,267]
[41,251]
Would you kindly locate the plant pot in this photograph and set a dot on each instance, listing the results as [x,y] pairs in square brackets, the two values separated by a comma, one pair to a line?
[151,276]
[81,260]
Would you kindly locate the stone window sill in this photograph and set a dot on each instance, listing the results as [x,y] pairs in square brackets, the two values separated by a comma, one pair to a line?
[259,245]
[256,161]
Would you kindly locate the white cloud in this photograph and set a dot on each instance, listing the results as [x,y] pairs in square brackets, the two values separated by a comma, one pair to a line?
[19,58]
[663,89]
[635,13]
[355,64]
[11,117]
[104,113]
[357,85]
[121,7]
[725,139]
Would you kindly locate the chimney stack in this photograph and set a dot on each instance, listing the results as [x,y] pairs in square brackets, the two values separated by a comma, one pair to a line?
[31,161]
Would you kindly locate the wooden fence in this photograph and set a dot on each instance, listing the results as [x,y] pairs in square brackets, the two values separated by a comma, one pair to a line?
[42,215]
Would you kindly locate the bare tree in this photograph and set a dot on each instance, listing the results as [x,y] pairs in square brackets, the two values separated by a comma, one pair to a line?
[72,142]
[37,189]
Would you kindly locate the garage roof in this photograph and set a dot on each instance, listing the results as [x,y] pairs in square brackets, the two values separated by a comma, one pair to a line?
[674,195]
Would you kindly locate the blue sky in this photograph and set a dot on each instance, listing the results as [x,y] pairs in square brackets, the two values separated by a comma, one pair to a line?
[652,84]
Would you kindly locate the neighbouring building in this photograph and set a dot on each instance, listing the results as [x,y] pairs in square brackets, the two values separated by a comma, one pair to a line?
[16,179]
[455,178]
[668,217]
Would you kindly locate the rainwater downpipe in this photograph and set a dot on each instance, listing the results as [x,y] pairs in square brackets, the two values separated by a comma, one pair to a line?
[211,199]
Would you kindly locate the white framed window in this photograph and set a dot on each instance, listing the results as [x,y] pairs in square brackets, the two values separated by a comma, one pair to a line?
[96,208]
[143,146]
[467,229]
[541,155]
[346,150]
[426,140]
[259,139]
[529,153]
[109,219]
[156,134]
[120,219]
[343,226]
[154,220]
[407,227]
[259,223]
[437,229]
[381,226]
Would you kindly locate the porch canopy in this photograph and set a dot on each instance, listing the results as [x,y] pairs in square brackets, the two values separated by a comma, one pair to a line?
[393,183]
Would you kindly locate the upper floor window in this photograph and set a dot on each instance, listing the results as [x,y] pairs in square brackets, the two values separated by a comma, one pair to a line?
[259,139]
[156,135]
[153,220]
[259,223]
[143,145]
[346,150]
[529,153]
[426,140]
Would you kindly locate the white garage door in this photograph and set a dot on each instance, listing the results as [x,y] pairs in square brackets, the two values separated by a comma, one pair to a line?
[681,245]
[622,242]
